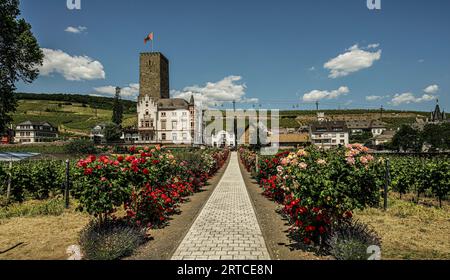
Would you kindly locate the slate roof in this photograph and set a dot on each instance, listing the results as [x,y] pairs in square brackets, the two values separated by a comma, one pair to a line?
[329,126]
[172,104]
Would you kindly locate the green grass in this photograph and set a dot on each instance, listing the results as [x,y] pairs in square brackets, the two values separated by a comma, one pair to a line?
[68,118]
[52,207]
[41,149]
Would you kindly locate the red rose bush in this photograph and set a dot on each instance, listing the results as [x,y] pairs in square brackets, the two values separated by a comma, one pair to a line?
[149,183]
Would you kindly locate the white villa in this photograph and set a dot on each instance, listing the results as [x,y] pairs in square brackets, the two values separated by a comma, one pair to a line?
[167,121]
[223,139]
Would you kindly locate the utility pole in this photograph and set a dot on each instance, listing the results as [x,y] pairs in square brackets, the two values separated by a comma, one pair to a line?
[235,124]
[381,112]
[317,105]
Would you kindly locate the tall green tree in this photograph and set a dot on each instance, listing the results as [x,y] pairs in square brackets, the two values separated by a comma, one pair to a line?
[117,108]
[437,135]
[20,57]
[407,139]
[112,132]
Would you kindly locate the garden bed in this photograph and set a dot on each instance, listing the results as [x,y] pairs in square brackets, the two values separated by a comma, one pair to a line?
[329,204]
[274,228]
[165,241]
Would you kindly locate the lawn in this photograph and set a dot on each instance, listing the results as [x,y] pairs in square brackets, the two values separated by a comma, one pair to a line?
[41,237]
[411,231]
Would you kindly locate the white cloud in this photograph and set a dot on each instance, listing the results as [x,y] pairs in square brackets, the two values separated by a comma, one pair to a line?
[355,59]
[432,89]
[373,46]
[375,97]
[212,93]
[130,91]
[76,30]
[316,95]
[421,60]
[408,98]
[72,68]
[312,68]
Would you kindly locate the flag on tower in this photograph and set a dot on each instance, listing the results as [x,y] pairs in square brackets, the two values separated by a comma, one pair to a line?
[148,38]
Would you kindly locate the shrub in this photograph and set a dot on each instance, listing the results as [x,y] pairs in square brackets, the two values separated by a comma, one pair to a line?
[100,186]
[151,206]
[150,183]
[351,241]
[110,240]
[320,188]
[81,147]
[34,179]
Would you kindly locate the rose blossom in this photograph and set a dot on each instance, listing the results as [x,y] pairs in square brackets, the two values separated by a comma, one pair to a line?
[321,161]
[363,160]
[302,153]
[280,169]
[302,165]
[351,160]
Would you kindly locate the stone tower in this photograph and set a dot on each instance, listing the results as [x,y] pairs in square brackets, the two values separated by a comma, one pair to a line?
[154,75]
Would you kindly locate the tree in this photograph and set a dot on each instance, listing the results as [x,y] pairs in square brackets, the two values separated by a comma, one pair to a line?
[112,132]
[437,135]
[20,57]
[362,138]
[117,108]
[407,139]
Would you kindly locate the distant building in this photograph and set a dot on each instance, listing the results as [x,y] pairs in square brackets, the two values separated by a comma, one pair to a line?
[130,135]
[384,138]
[376,127]
[437,116]
[222,139]
[329,134]
[7,137]
[98,133]
[321,117]
[35,132]
[291,140]
[162,119]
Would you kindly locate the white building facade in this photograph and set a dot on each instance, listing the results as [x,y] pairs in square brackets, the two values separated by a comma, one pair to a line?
[223,139]
[329,134]
[35,132]
[167,121]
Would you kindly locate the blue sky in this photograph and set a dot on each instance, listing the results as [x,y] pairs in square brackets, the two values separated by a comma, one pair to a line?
[274,53]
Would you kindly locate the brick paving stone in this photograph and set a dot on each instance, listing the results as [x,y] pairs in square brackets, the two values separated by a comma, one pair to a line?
[226,227]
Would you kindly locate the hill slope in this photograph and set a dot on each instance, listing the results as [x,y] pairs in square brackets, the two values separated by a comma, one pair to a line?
[78,114]
[75,118]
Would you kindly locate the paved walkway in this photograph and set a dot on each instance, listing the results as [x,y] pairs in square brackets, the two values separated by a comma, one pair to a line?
[226,228]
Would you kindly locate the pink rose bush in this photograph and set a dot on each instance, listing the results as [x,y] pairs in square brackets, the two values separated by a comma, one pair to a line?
[319,189]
